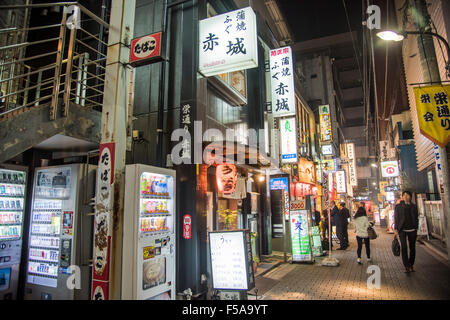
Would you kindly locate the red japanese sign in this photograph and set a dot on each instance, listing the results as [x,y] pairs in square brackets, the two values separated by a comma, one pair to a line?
[145,49]
[187,226]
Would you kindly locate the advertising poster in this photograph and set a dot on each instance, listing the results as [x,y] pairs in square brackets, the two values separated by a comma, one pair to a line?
[153,272]
[300,237]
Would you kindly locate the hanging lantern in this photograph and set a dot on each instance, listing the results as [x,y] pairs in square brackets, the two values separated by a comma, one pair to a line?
[226,178]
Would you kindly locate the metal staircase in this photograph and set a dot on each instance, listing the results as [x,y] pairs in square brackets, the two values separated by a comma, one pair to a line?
[52,73]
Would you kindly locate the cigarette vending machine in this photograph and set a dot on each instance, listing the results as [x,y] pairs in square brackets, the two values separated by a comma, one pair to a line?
[148,264]
[12,203]
[60,235]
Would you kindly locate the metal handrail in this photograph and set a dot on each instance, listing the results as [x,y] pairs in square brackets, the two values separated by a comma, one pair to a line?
[9,30]
[70,81]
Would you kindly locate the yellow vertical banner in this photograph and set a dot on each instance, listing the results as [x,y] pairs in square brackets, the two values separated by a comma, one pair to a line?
[433,112]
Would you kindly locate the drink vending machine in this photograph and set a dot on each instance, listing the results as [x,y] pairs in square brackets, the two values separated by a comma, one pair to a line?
[148,264]
[12,203]
[60,235]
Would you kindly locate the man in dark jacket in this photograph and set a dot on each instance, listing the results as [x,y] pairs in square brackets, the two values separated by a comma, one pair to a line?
[406,219]
[342,226]
[334,212]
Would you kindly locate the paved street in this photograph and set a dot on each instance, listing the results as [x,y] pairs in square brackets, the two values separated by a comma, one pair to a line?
[349,281]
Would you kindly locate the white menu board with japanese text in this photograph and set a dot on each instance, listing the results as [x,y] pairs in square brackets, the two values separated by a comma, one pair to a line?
[282,82]
[228,42]
[228,260]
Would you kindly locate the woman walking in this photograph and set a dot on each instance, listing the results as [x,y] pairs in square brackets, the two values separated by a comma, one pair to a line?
[361,225]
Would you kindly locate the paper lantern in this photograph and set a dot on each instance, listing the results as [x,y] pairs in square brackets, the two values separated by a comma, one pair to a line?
[226,178]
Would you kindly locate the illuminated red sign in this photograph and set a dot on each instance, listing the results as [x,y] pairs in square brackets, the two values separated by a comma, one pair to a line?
[145,49]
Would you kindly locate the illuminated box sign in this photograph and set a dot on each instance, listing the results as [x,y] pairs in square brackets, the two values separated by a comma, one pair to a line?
[282,82]
[228,42]
[327,149]
[146,49]
[325,123]
[389,169]
[352,164]
[288,141]
[282,183]
[391,188]
[340,182]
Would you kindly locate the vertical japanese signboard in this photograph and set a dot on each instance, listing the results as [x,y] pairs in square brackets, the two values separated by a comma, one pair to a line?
[433,113]
[288,141]
[282,82]
[352,164]
[440,177]
[102,232]
[186,124]
[340,182]
[300,236]
[228,42]
[325,123]
[384,150]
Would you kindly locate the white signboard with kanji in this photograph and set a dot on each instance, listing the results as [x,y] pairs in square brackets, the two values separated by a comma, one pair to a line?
[340,181]
[282,82]
[288,141]
[352,164]
[228,42]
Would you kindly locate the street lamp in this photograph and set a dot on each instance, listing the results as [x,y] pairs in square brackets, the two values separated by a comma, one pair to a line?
[392,35]
[374,165]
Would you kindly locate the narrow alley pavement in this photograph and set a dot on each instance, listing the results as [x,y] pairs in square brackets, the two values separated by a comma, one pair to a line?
[348,281]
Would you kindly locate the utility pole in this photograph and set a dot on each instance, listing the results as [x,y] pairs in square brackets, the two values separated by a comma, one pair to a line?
[107,259]
[430,71]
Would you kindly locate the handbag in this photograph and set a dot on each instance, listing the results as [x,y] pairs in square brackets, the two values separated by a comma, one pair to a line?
[372,234]
[396,247]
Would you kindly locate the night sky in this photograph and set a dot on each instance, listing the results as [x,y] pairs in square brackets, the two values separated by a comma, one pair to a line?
[309,19]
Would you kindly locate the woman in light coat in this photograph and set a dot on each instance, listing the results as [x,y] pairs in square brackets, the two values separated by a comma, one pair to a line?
[361,224]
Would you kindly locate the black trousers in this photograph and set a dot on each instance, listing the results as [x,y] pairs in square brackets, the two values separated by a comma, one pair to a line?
[342,234]
[411,237]
[360,243]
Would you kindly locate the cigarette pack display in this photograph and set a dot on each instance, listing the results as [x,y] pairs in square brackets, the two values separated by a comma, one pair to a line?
[55,245]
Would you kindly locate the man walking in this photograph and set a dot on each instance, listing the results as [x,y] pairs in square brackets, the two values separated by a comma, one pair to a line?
[342,226]
[406,219]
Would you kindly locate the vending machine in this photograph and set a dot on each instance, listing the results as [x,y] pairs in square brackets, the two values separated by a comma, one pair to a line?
[12,203]
[60,235]
[148,262]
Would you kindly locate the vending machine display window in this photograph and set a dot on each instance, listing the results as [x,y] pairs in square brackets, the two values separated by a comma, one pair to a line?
[148,268]
[52,188]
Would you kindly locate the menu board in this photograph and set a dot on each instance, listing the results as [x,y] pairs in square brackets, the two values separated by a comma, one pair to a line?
[300,237]
[229,252]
